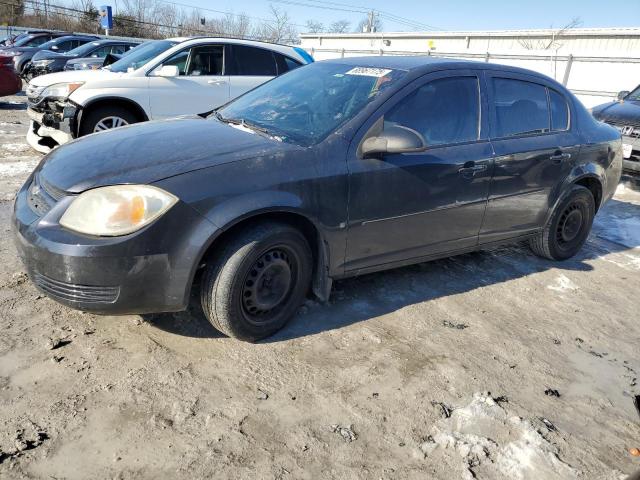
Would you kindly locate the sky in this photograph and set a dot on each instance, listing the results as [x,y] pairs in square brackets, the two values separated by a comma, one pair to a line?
[443,15]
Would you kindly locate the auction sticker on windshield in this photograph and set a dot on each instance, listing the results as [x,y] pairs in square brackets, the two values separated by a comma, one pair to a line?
[368,72]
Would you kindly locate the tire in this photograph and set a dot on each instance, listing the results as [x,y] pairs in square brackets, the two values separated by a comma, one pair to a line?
[568,227]
[258,281]
[106,116]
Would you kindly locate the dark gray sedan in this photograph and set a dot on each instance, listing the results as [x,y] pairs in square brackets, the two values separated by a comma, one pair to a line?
[335,169]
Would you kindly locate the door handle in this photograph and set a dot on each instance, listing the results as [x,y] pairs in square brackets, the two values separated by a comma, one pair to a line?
[560,157]
[470,169]
[216,82]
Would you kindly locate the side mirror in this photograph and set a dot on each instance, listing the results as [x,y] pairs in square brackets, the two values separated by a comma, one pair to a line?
[167,71]
[622,95]
[394,139]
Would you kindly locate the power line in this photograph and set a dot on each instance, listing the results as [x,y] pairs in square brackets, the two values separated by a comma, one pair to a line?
[345,7]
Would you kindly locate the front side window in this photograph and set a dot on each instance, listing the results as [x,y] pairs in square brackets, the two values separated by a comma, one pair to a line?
[206,60]
[306,105]
[520,107]
[444,111]
[179,60]
[253,61]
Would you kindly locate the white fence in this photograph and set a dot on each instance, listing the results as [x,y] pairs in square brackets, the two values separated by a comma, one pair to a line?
[594,63]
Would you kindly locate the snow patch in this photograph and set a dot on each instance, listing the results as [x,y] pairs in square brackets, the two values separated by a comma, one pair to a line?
[18,168]
[563,284]
[484,434]
[15,147]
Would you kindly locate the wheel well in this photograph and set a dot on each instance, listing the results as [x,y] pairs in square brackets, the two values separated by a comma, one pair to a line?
[298,221]
[130,105]
[594,186]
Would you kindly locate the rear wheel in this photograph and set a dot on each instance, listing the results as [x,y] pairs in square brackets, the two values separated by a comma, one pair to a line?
[568,228]
[258,281]
[106,118]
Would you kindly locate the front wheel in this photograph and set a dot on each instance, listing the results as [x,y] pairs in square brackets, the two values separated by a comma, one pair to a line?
[257,281]
[568,228]
[106,118]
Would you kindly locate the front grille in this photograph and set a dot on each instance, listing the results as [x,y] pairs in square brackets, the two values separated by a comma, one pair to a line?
[76,293]
[42,196]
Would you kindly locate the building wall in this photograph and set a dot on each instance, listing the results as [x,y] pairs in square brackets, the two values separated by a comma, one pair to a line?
[594,63]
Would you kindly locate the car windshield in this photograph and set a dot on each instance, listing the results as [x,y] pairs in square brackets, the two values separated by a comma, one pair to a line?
[51,43]
[141,55]
[635,95]
[307,104]
[83,50]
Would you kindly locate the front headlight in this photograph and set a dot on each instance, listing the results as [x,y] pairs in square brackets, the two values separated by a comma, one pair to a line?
[43,63]
[11,53]
[61,90]
[116,210]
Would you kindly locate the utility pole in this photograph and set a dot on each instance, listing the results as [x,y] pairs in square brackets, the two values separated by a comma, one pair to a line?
[370,26]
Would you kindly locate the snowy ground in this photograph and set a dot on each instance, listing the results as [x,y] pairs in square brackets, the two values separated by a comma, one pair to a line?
[390,380]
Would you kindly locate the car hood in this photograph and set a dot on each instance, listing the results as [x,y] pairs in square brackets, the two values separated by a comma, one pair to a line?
[624,112]
[72,76]
[151,151]
[48,54]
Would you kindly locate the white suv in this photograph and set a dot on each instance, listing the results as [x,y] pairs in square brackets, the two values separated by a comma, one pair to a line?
[157,80]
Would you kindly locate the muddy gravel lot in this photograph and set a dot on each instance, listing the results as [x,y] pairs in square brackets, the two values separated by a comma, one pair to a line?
[492,365]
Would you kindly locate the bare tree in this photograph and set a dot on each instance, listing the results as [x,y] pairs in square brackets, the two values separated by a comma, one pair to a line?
[279,29]
[341,26]
[313,26]
[554,40]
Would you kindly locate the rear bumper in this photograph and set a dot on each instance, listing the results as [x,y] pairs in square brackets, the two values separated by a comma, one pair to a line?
[149,271]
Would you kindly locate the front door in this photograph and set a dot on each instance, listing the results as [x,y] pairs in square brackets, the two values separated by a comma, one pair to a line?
[201,86]
[404,207]
[535,145]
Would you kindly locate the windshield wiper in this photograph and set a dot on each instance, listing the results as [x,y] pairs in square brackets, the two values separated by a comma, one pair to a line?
[243,123]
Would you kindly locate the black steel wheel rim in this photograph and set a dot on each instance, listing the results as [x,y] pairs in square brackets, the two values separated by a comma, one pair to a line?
[570,225]
[268,285]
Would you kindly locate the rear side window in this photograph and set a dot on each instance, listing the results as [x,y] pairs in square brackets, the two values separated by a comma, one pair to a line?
[252,61]
[444,111]
[520,107]
[285,63]
[559,111]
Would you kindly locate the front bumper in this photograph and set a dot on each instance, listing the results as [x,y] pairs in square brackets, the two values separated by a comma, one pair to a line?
[57,123]
[149,271]
[632,164]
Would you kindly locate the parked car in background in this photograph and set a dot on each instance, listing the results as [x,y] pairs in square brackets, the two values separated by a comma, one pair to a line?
[10,82]
[161,79]
[93,63]
[49,61]
[23,55]
[31,38]
[624,114]
[333,170]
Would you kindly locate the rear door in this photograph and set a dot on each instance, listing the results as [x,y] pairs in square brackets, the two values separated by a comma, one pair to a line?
[406,206]
[535,146]
[249,67]
[201,86]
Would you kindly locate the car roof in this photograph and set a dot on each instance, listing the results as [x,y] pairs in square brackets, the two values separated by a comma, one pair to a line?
[277,47]
[108,41]
[74,37]
[421,64]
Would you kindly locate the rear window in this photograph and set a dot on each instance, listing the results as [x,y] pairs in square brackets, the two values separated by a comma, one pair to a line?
[252,61]
[520,107]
